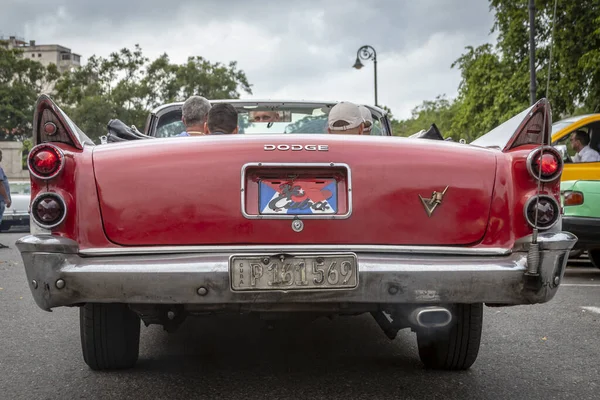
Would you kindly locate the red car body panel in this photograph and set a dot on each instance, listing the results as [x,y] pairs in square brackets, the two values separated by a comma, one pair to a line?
[186,191]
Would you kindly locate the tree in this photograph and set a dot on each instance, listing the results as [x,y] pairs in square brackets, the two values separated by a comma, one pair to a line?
[21,81]
[440,111]
[495,79]
[126,85]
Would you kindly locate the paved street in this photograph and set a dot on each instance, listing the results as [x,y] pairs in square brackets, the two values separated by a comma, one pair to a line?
[548,351]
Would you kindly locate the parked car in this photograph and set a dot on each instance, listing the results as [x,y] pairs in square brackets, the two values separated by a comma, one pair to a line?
[581,202]
[18,213]
[296,117]
[561,132]
[288,224]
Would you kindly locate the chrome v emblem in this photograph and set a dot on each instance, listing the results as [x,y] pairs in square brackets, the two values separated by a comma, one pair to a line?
[432,203]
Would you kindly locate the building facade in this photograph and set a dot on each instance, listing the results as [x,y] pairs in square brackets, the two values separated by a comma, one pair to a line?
[12,160]
[45,54]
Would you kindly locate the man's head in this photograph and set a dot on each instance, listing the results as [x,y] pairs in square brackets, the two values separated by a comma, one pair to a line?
[194,112]
[345,117]
[579,139]
[264,116]
[366,114]
[222,118]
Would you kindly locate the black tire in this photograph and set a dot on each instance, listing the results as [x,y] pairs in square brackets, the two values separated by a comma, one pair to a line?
[4,226]
[110,336]
[454,347]
[594,256]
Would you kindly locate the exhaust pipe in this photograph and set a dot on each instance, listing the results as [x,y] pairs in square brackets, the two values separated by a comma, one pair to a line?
[431,317]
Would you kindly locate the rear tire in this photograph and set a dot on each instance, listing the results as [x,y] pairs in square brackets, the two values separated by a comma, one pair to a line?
[4,226]
[594,256]
[454,347]
[110,336]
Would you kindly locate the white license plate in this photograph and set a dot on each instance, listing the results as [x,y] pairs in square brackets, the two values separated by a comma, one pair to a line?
[293,272]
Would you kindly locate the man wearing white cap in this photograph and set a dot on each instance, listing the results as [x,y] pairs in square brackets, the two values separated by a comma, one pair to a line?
[366,114]
[345,117]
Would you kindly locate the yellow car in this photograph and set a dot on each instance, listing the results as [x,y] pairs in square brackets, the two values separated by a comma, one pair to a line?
[561,132]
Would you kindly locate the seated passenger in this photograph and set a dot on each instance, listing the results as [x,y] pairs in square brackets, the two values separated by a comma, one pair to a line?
[264,116]
[222,120]
[366,114]
[580,141]
[345,117]
[193,115]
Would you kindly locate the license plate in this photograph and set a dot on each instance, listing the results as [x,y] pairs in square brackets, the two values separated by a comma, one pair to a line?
[297,272]
[298,196]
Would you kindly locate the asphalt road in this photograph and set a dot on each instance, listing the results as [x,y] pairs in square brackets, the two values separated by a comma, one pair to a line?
[548,351]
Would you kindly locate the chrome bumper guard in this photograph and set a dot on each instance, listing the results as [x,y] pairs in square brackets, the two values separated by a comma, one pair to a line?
[61,275]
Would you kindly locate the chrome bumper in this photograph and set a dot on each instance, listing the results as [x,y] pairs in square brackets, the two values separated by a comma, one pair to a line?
[15,217]
[60,275]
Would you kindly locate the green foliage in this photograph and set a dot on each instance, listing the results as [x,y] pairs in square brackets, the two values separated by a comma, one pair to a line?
[495,77]
[27,145]
[126,85]
[21,81]
[440,111]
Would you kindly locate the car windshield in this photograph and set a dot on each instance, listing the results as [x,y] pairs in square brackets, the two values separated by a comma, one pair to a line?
[20,188]
[557,126]
[260,119]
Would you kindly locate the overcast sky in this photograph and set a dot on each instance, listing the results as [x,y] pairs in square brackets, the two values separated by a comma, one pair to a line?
[288,49]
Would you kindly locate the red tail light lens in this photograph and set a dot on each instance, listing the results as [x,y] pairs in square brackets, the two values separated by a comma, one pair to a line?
[45,161]
[545,163]
[572,198]
[547,213]
[48,210]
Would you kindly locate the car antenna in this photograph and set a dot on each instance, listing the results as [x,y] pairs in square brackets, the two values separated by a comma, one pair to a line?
[533,256]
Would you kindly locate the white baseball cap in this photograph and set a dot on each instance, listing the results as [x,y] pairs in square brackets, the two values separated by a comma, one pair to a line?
[347,112]
[366,114]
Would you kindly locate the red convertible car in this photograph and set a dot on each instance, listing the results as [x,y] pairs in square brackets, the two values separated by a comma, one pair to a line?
[285,220]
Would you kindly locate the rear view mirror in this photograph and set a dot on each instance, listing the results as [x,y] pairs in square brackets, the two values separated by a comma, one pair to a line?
[562,150]
[270,116]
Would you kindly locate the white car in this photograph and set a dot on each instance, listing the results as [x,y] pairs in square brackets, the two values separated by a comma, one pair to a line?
[18,213]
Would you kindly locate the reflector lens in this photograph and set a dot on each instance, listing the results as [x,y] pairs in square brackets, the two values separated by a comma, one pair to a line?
[50,128]
[48,210]
[547,212]
[573,198]
[45,161]
[548,164]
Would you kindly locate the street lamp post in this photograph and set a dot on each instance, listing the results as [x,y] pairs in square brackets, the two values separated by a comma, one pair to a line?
[367,53]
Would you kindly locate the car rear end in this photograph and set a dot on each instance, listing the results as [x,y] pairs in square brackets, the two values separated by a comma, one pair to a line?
[324,224]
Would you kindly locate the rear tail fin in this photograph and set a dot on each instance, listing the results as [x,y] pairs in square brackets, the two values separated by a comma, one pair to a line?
[51,124]
[530,127]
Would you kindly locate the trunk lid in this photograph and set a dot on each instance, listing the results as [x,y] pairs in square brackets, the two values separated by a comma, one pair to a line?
[212,190]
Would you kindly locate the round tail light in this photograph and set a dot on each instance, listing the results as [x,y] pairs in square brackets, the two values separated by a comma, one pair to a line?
[48,210]
[548,211]
[45,161]
[545,164]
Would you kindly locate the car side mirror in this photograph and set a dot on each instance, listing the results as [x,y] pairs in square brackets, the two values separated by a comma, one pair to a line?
[562,150]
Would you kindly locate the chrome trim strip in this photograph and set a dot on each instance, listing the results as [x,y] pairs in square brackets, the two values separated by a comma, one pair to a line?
[262,249]
[301,165]
[60,153]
